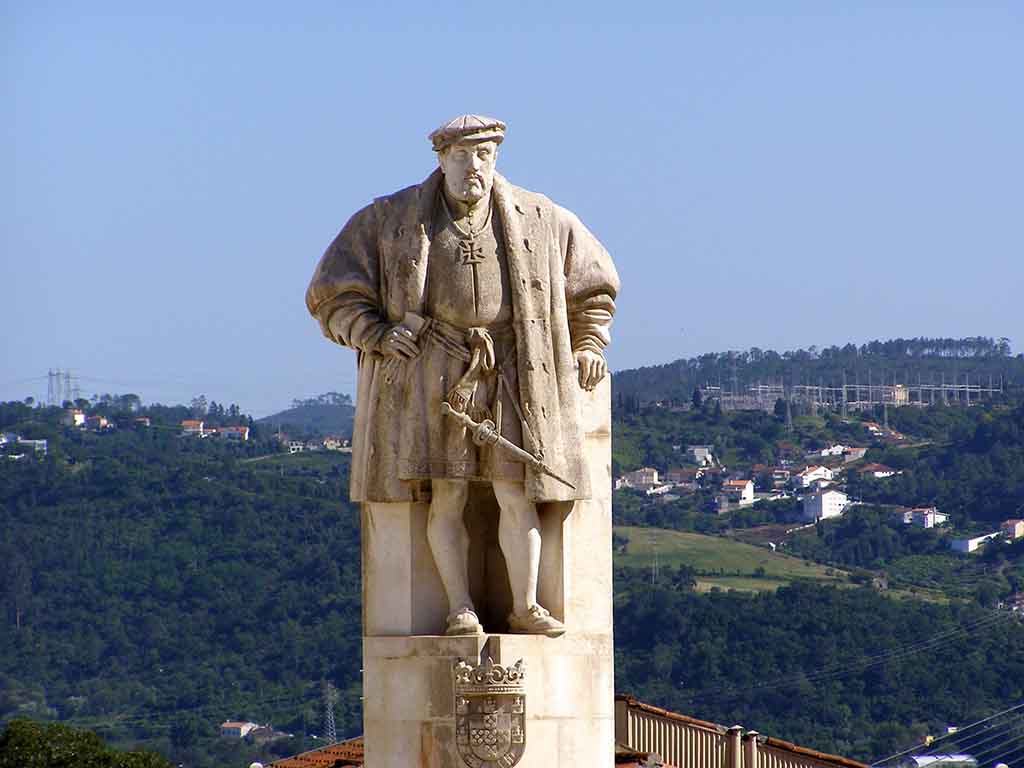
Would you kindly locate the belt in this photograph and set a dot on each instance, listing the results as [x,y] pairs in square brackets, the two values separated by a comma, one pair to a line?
[474,346]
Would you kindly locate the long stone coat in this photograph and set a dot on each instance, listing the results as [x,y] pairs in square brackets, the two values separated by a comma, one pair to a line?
[563,288]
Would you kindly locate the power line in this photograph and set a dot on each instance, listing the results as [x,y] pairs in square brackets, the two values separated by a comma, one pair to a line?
[948,736]
[824,673]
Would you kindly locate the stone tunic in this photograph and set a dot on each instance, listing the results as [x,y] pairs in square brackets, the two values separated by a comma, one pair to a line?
[460,300]
[562,285]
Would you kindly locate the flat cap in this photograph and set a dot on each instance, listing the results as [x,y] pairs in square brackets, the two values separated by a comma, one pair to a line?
[467,128]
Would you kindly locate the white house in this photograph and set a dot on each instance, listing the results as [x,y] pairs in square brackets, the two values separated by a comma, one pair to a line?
[967,546]
[924,517]
[193,428]
[807,478]
[1012,529]
[642,479]
[854,453]
[74,417]
[39,446]
[739,491]
[832,450]
[235,433]
[236,729]
[824,504]
[659,490]
[878,471]
[701,455]
[296,446]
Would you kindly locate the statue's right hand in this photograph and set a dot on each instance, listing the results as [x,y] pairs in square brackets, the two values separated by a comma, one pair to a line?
[399,342]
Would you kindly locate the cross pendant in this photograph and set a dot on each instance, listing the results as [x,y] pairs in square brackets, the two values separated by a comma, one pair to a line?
[471,252]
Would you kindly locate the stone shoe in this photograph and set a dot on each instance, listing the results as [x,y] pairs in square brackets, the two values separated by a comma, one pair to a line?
[463,621]
[535,621]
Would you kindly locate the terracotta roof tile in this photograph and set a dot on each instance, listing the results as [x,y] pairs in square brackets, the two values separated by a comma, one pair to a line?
[340,755]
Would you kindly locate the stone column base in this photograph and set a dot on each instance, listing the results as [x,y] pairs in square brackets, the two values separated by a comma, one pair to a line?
[409,708]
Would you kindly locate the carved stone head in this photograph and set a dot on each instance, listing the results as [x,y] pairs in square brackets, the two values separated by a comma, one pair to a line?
[468,169]
[467,150]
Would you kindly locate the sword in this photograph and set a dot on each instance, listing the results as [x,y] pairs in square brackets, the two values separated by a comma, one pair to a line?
[485,433]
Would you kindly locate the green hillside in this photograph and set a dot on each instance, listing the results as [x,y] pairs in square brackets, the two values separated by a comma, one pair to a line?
[718,561]
[328,414]
[154,585]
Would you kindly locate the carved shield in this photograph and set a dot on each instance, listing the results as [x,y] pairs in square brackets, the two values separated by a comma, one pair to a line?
[490,714]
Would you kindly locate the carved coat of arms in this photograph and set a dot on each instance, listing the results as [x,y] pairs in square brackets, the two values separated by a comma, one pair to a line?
[490,714]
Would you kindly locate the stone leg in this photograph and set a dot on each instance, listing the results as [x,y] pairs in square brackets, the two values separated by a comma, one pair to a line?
[409,709]
[449,540]
[519,534]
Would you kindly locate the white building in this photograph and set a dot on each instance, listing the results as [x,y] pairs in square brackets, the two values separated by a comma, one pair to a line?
[701,455]
[39,446]
[74,417]
[236,729]
[854,453]
[878,471]
[641,479]
[235,433]
[193,428]
[967,546]
[739,491]
[824,504]
[924,517]
[1012,529]
[813,473]
[659,490]
[296,446]
[832,450]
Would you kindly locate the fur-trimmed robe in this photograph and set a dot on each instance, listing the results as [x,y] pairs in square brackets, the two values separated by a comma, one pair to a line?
[563,286]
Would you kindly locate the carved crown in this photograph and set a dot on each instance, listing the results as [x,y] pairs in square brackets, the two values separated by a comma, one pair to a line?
[489,678]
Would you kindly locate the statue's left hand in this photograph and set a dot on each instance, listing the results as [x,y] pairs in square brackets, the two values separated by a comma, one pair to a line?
[592,368]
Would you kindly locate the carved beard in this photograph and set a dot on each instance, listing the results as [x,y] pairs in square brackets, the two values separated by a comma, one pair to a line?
[469,192]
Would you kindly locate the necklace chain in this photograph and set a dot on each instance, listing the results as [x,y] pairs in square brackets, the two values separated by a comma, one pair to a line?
[471,235]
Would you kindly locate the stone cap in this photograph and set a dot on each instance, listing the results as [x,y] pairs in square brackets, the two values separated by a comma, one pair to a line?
[467,128]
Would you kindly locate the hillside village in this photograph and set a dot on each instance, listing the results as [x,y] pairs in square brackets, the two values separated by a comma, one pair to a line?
[817,484]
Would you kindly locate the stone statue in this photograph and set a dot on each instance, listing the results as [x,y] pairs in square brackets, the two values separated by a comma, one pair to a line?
[478,311]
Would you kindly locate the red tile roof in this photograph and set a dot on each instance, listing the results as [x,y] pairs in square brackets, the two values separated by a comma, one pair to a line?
[340,755]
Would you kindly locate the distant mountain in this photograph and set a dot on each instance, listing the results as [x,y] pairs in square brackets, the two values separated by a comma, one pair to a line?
[973,360]
[331,413]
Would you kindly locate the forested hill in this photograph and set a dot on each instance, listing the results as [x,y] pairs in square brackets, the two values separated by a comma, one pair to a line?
[329,414]
[153,585]
[906,361]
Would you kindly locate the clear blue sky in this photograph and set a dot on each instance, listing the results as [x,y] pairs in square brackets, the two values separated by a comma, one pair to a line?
[765,174]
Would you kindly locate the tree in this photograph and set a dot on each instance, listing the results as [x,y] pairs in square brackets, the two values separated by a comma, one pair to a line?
[697,399]
[199,406]
[26,744]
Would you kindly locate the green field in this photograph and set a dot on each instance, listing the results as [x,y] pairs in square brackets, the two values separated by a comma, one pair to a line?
[722,562]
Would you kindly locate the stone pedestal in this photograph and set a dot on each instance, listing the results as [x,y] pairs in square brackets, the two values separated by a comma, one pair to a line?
[409,704]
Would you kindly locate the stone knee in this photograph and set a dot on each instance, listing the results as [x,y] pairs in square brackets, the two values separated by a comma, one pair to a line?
[516,509]
[448,501]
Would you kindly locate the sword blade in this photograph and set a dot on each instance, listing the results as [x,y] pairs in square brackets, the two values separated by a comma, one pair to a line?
[509,447]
